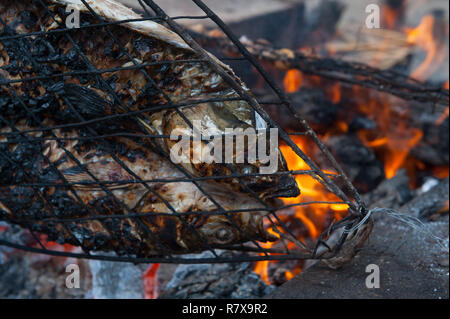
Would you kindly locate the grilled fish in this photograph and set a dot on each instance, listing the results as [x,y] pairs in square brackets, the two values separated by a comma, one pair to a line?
[77,181]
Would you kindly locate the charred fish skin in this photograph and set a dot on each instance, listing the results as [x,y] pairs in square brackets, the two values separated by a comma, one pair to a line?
[29,159]
[164,81]
[35,207]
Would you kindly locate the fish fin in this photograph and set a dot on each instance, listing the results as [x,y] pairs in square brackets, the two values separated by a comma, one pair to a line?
[87,101]
[112,175]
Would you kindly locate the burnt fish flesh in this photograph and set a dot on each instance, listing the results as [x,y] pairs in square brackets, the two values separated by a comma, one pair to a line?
[77,181]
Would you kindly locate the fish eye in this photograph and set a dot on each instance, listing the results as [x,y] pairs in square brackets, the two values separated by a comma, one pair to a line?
[224,235]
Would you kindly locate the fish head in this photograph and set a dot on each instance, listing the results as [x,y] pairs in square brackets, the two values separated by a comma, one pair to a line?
[220,230]
[223,139]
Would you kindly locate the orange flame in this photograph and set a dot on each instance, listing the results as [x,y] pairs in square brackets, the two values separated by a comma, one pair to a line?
[397,146]
[293,81]
[444,115]
[423,37]
[311,190]
[262,267]
[394,139]
[399,150]
[336,93]
[313,217]
[291,274]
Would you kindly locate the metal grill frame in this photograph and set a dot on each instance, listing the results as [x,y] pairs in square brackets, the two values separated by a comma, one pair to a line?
[357,209]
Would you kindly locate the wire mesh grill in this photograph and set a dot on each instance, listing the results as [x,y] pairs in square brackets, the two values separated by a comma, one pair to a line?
[38,78]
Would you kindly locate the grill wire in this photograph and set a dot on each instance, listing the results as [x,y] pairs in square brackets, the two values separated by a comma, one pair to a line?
[338,183]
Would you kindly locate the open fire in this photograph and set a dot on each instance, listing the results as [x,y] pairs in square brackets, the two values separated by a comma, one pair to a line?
[392,141]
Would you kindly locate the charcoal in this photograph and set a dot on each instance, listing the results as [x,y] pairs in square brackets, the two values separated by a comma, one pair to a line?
[26,275]
[14,281]
[393,192]
[312,105]
[361,123]
[428,202]
[112,280]
[211,281]
[434,147]
[358,161]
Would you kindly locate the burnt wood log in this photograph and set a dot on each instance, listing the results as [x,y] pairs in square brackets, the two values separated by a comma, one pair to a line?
[396,193]
[312,105]
[428,202]
[348,72]
[393,193]
[232,280]
[359,162]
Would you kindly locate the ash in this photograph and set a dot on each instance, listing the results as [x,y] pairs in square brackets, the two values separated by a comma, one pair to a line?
[26,275]
[114,280]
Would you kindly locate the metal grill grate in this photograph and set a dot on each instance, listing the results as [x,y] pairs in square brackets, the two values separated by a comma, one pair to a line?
[53,222]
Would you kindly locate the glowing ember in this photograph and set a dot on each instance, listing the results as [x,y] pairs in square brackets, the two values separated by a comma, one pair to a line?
[292,81]
[150,281]
[291,274]
[336,93]
[51,245]
[390,16]
[440,171]
[444,115]
[444,208]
